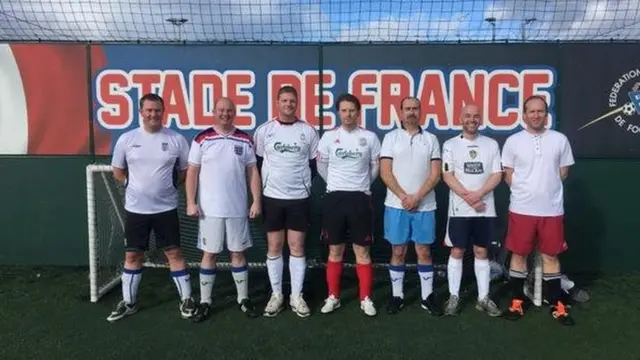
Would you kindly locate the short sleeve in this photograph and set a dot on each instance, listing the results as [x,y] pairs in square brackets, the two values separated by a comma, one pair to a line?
[386,149]
[258,141]
[435,148]
[375,147]
[496,163]
[250,155]
[183,156]
[195,154]
[448,164]
[323,147]
[119,158]
[508,155]
[313,145]
[566,156]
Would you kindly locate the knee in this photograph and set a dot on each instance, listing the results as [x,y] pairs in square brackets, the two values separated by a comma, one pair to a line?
[173,255]
[423,253]
[296,247]
[133,257]
[336,252]
[480,252]
[276,242]
[362,253]
[457,253]
[208,257]
[550,259]
[235,256]
[398,252]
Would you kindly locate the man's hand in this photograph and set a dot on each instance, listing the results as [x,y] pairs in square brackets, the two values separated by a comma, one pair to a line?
[255,210]
[473,197]
[480,206]
[410,202]
[193,210]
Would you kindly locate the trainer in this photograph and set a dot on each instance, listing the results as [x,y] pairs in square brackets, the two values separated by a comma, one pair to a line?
[221,159]
[286,150]
[349,163]
[536,161]
[410,168]
[151,161]
[471,168]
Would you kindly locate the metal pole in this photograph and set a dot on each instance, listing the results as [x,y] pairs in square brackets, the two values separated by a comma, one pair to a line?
[178,22]
[492,22]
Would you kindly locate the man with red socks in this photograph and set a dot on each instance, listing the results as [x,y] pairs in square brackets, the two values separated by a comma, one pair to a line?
[348,162]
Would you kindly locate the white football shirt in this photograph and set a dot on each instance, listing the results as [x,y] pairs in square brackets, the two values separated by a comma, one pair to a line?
[350,155]
[412,156]
[472,162]
[223,161]
[286,149]
[151,160]
[536,186]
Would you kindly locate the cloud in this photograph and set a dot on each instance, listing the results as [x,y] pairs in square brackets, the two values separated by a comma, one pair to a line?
[131,20]
[568,19]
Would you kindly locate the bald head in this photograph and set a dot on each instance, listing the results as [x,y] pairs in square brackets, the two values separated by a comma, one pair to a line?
[470,119]
[226,102]
[225,111]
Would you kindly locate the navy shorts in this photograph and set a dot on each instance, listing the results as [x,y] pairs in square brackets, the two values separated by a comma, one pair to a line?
[465,231]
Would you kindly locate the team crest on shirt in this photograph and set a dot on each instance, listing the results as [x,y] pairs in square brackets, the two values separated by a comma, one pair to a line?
[473,154]
[362,142]
[238,150]
[165,146]
[302,137]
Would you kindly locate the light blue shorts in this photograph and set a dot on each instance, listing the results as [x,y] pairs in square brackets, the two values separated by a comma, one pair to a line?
[402,226]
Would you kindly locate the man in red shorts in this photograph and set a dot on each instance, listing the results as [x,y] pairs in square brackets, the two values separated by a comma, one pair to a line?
[536,161]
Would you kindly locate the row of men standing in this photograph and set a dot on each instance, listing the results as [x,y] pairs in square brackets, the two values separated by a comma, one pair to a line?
[278,166]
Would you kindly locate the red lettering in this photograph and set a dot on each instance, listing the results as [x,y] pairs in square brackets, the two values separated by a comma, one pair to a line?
[530,82]
[115,111]
[433,99]
[312,96]
[466,90]
[394,86]
[359,83]
[498,82]
[279,80]
[206,88]
[146,82]
[242,100]
[173,93]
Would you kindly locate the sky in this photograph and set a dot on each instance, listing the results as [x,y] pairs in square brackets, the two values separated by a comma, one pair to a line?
[319,20]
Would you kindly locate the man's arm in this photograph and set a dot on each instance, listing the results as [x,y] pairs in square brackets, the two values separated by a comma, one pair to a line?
[432,180]
[119,161]
[255,184]
[191,183]
[375,158]
[322,156]
[183,160]
[496,172]
[120,175]
[566,159]
[448,171]
[508,161]
[508,174]
[390,181]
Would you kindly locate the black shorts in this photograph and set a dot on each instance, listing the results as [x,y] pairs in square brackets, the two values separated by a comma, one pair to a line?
[165,225]
[464,231]
[347,216]
[279,214]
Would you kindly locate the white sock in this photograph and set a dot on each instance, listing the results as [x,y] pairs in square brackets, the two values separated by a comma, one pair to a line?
[297,267]
[483,271]
[274,269]
[396,274]
[207,278]
[241,278]
[566,283]
[454,275]
[426,280]
[183,283]
[130,281]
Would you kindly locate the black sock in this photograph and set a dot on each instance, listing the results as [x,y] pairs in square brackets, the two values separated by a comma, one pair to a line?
[553,287]
[516,283]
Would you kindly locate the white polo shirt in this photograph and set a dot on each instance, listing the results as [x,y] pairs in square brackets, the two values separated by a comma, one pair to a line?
[472,162]
[223,161]
[412,156]
[351,155]
[286,149]
[536,186]
[151,160]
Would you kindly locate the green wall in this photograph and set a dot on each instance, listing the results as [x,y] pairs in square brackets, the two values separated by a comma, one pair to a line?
[44,215]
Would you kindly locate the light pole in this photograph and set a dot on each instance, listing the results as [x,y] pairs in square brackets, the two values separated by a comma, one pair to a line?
[523,25]
[178,22]
[492,22]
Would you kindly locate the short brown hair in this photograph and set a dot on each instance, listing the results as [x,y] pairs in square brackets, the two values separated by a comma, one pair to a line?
[287,89]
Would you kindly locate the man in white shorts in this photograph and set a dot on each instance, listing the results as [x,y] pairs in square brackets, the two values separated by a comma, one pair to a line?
[151,161]
[410,168]
[471,168]
[286,150]
[348,160]
[221,159]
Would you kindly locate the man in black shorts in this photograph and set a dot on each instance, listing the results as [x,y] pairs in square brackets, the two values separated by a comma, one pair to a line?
[151,161]
[348,160]
[286,149]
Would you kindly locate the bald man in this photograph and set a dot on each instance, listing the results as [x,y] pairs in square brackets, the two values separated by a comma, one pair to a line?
[471,167]
[221,160]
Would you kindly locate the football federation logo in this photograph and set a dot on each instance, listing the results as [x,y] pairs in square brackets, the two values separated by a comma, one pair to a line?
[624,102]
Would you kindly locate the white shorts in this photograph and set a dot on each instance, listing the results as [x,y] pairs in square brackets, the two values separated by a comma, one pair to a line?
[213,231]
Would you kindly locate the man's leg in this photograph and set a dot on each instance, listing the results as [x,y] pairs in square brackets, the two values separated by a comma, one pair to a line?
[211,236]
[274,223]
[333,234]
[297,221]
[360,225]
[551,230]
[423,226]
[521,233]
[238,241]
[483,232]
[167,228]
[137,230]
[396,232]
[457,238]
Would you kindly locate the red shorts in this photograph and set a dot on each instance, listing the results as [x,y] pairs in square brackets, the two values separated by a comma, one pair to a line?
[524,230]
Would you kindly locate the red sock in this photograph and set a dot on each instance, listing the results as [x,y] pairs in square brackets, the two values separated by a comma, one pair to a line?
[334,273]
[365,279]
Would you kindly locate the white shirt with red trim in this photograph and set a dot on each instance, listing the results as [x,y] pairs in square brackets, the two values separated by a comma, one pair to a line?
[223,161]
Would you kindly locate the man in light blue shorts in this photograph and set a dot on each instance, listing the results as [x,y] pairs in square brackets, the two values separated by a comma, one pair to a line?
[410,167]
